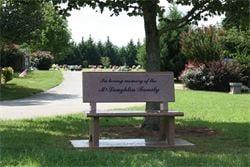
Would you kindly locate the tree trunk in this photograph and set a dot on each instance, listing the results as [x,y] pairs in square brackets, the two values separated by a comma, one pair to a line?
[153,55]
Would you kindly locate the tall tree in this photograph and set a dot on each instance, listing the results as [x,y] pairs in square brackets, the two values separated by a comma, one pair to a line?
[36,23]
[111,51]
[131,54]
[122,54]
[54,35]
[74,56]
[20,20]
[91,53]
[237,14]
[141,57]
[100,48]
[150,9]
[171,56]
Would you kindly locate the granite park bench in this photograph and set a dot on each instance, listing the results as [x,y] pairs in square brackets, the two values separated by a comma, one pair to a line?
[112,87]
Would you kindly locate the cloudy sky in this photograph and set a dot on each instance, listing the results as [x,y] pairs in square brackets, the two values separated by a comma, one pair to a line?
[120,29]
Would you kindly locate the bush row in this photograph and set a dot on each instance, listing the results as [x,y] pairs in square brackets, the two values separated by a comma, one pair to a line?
[214,75]
[13,56]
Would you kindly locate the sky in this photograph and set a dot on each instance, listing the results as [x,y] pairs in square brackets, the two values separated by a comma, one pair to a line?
[120,29]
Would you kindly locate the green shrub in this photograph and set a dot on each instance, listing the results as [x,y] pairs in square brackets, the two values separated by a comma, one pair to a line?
[42,60]
[11,55]
[236,45]
[214,75]
[246,74]
[105,61]
[141,57]
[7,74]
[85,63]
[202,44]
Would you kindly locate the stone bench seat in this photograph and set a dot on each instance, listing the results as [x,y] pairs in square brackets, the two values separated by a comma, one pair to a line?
[137,114]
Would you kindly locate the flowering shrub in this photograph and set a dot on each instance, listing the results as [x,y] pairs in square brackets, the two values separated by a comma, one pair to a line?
[42,60]
[7,74]
[194,78]
[55,67]
[214,75]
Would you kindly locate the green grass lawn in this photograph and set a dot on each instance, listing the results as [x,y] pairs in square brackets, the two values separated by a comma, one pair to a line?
[45,141]
[34,82]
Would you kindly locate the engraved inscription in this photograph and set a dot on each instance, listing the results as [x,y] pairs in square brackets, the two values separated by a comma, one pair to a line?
[128,87]
[121,86]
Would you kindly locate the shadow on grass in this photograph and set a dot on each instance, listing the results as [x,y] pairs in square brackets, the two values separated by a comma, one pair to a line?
[46,142]
[12,91]
[9,93]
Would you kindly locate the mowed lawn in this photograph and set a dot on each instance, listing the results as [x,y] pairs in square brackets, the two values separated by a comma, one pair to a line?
[217,123]
[34,82]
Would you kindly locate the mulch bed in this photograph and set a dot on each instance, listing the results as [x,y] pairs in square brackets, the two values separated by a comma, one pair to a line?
[137,132]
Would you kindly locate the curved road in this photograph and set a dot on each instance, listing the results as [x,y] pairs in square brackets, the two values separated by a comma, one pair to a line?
[61,100]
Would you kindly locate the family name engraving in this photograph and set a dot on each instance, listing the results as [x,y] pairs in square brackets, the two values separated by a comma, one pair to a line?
[121,85]
[126,86]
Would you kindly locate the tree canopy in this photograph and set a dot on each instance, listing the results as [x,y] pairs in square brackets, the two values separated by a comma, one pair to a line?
[171,57]
[88,52]
[54,35]
[200,8]
[237,14]
[150,10]
[36,23]
[20,20]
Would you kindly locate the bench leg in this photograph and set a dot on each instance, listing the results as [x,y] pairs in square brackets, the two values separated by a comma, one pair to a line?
[171,131]
[163,129]
[94,132]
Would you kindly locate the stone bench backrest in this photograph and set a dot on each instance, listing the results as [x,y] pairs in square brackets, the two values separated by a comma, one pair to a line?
[128,87]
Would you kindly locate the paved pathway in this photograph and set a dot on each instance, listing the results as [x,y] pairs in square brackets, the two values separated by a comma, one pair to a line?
[61,100]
